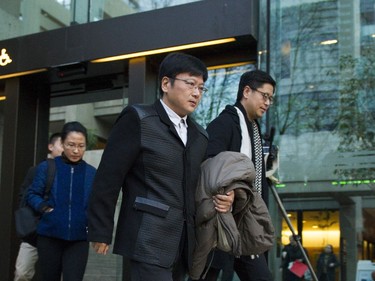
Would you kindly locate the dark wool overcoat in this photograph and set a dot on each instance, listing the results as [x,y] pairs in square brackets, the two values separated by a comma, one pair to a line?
[146,158]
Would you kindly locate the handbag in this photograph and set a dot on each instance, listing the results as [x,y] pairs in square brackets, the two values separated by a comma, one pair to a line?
[26,219]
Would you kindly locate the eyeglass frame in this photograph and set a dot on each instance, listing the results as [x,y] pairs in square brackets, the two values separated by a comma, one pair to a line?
[265,96]
[73,147]
[192,85]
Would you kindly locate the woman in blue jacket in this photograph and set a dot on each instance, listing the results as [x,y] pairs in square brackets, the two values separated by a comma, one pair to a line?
[62,231]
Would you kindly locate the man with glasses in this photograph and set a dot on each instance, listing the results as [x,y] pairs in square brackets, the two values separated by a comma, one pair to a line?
[154,154]
[237,129]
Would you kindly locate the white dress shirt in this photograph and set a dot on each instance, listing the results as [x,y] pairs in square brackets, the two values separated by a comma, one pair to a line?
[179,123]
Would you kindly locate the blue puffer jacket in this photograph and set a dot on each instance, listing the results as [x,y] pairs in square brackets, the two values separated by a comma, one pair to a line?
[68,198]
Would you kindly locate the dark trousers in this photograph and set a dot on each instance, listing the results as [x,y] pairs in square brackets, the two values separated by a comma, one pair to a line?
[252,269]
[290,276]
[140,271]
[247,269]
[60,257]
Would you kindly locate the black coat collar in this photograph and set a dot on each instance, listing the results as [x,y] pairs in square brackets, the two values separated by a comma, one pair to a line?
[193,128]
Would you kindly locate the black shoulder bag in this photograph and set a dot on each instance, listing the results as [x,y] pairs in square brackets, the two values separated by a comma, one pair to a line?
[26,219]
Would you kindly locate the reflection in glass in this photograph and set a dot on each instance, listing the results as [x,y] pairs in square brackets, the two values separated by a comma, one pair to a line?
[223,86]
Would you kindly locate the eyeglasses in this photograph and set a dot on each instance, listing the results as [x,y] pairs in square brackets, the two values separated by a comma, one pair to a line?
[192,86]
[265,95]
[73,146]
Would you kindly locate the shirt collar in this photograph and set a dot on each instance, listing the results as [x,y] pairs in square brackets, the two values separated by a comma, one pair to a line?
[173,116]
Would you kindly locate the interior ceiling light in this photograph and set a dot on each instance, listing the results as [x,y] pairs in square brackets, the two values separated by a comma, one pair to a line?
[2,98]
[22,73]
[262,52]
[166,50]
[329,42]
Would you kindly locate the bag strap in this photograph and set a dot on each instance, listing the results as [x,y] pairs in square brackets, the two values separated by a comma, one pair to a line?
[25,186]
[51,169]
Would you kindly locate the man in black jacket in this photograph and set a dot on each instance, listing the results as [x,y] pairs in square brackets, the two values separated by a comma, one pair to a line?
[237,129]
[154,154]
[289,254]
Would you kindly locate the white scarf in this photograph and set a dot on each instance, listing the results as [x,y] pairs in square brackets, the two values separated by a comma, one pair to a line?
[245,143]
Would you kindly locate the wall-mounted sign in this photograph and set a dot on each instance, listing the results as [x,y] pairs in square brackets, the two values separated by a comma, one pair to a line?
[4,58]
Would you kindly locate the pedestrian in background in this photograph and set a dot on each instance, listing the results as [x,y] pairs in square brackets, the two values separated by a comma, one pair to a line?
[28,253]
[62,230]
[291,253]
[326,264]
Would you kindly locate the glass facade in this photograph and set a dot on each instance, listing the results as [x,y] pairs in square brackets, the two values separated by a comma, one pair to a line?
[323,59]
[25,17]
[322,55]
[222,87]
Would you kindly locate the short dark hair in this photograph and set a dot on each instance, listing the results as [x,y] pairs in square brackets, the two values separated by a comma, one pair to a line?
[53,138]
[254,79]
[176,63]
[73,126]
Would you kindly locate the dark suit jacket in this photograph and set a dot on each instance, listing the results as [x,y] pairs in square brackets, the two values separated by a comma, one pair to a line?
[158,175]
[322,266]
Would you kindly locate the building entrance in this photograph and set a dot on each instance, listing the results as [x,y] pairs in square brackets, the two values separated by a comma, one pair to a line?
[318,229]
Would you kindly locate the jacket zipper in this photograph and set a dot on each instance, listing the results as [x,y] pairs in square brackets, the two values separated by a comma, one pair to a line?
[70,200]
